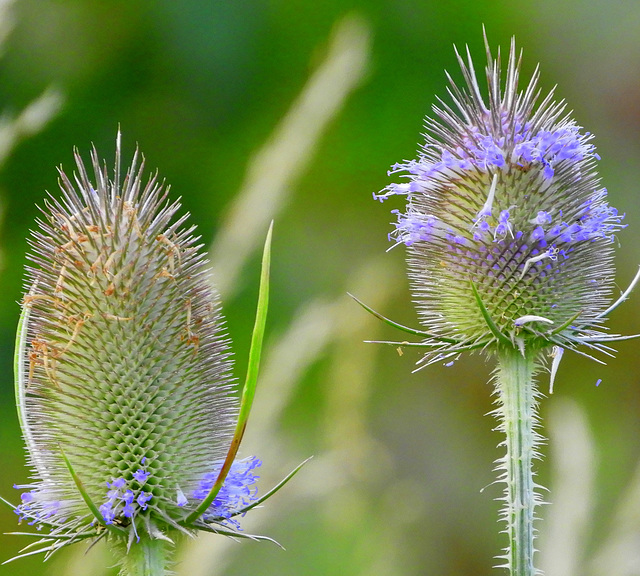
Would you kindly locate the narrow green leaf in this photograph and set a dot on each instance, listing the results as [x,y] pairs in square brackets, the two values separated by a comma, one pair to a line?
[273,490]
[401,327]
[459,348]
[249,390]
[487,318]
[87,499]
[566,324]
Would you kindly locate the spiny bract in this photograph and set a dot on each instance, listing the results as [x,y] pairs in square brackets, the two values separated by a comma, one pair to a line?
[509,232]
[123,367]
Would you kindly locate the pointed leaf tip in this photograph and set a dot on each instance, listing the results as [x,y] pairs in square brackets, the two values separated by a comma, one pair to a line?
[487,317]
[85,496]
[400,326]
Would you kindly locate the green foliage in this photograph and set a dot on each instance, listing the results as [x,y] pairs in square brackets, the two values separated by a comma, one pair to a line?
[400,458]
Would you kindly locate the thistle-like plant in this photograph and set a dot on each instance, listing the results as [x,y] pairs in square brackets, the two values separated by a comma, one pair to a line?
[510,251]
[124,383]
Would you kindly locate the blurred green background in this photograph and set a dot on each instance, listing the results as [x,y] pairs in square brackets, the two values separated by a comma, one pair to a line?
[294,110]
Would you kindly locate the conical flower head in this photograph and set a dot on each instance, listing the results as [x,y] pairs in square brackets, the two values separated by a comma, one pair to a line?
[124,382]
[508,229]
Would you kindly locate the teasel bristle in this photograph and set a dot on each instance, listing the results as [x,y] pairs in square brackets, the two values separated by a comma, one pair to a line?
[124,373]
[505,219]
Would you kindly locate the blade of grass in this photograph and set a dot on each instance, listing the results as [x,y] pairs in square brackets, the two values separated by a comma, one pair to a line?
[249,390]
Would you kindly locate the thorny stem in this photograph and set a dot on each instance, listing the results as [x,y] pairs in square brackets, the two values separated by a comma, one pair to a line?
[145,558]
[517,405]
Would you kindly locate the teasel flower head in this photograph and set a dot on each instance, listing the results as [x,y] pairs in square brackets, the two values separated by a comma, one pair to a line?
[509,232]
[124,381]
[510,250]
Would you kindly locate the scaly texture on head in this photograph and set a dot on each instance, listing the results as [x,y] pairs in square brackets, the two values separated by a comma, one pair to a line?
[510,250]
[504,207]
[124,368]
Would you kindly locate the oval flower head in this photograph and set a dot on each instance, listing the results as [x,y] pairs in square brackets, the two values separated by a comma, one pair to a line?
[510,243]
[123,374]
[509,232]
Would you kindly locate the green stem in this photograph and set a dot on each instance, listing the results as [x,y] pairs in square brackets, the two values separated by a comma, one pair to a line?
[149,557]
[517,399]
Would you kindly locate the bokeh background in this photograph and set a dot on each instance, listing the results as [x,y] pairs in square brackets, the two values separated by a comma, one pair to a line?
[294,110]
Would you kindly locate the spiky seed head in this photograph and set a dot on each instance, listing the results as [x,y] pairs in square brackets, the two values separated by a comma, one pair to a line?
[124,368]
[504,207]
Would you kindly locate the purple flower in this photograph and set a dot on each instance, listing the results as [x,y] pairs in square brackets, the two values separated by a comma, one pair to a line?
[141,476]
[504,195]
[181,499]
[237,491]
[143,498]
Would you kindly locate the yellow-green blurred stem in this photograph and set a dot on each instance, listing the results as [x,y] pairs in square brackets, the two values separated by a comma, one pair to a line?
[145,558]
[518,418]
